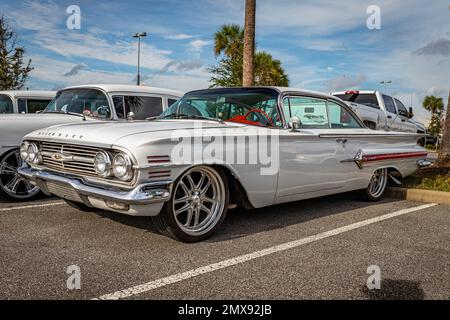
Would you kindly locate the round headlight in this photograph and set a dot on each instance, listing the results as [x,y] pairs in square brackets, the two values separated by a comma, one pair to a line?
[33,153]
[122,167]
[102,164]
[24,151]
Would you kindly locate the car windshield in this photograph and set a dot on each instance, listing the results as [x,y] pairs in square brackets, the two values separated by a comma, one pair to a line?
[89,102]
[247,106]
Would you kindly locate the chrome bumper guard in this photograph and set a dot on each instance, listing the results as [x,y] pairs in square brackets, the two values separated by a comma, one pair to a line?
[142,194]
[424,163]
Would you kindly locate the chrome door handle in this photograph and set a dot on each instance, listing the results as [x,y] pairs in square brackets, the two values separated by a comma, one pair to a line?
[341,140]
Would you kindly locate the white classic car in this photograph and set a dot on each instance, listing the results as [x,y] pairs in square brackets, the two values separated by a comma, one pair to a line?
[24,101]
[71,105]
[210,151]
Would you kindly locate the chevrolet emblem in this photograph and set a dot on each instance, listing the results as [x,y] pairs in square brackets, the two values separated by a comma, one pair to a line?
[61,157]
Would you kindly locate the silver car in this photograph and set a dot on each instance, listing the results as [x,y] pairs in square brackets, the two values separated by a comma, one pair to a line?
[217,149]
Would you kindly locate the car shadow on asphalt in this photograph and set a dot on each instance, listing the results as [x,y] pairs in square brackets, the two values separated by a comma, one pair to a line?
[395,290]
[241,223]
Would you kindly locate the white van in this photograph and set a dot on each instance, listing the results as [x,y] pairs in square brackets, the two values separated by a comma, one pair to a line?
[21,101]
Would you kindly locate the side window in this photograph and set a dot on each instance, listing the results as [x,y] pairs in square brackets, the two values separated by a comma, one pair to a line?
[340,117]
[22,105]
[389,104]
[312,112]
[6,104]
[36,105]
[120,108]
[143,107]
[401,108]
[170,102]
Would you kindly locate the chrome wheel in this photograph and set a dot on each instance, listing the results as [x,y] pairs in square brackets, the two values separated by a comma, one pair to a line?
[12,185]
[199,200]
[378,183]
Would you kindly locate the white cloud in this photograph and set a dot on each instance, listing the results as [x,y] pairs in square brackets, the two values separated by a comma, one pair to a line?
[346,82]
[53,72]
[45,20]
[197,45]
[324,45]
[180,36]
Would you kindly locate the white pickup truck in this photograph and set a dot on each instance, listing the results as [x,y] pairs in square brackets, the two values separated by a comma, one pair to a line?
[379,111]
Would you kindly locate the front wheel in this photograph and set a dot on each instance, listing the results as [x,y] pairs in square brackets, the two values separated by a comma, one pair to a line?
[12,186]
[197,207]
[377,186]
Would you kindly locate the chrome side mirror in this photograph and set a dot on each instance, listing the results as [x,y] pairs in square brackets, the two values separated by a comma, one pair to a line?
[295,124]
[130,116]
[410,113]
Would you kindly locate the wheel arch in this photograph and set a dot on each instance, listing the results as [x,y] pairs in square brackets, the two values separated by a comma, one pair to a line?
[238,194]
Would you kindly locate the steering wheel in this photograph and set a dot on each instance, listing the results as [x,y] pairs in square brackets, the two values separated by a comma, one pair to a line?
[103,110]
[261,112]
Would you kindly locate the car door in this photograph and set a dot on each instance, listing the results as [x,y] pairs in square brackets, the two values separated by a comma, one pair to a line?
[310,164]
[393,121]
[403,117]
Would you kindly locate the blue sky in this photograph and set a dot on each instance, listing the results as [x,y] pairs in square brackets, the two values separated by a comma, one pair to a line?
[324,45]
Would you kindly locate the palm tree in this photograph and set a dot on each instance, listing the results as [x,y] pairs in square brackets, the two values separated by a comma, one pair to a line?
[444,151]
[228,40]
[435,105]
[269,71]
[249,43]
[229,44]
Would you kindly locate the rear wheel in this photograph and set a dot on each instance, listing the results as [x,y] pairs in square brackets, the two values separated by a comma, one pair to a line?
[377,186]
[13,186]
[197,207]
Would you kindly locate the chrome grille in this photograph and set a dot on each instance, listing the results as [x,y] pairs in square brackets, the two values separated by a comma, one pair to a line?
[79,159]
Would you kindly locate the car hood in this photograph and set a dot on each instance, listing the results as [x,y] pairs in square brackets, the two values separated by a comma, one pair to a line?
[108,133]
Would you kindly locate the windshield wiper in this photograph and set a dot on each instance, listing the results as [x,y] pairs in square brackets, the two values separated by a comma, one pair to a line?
[65,112]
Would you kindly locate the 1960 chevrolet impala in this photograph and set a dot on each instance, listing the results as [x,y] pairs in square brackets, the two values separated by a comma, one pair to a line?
[285,145]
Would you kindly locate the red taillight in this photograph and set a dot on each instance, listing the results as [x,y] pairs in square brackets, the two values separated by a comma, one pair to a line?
[352,92]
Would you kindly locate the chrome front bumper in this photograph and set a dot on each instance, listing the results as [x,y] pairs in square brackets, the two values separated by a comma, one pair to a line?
[143,195]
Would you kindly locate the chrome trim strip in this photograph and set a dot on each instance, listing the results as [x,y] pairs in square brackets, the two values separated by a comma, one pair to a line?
[140,195]
[370,135]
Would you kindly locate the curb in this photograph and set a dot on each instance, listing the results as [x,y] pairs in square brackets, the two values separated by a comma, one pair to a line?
[419,195]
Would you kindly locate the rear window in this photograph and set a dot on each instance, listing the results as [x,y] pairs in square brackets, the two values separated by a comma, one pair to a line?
[367,99]
[6,104]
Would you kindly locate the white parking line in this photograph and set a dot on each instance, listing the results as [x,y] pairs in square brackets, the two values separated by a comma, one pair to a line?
[42,205]
[152,285]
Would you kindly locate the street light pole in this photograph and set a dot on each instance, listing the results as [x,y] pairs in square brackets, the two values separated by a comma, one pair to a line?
[138,36]
[385,85]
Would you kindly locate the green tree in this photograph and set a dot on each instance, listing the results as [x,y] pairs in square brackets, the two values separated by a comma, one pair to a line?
[229,46]
[13,70]
[435,105]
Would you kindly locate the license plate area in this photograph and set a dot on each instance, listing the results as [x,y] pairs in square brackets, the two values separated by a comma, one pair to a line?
[64,191]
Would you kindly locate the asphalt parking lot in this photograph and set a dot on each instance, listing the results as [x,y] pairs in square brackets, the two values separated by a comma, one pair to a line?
[326,256]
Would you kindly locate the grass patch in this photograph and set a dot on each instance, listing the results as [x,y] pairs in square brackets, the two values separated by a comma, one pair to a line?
[437,179]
